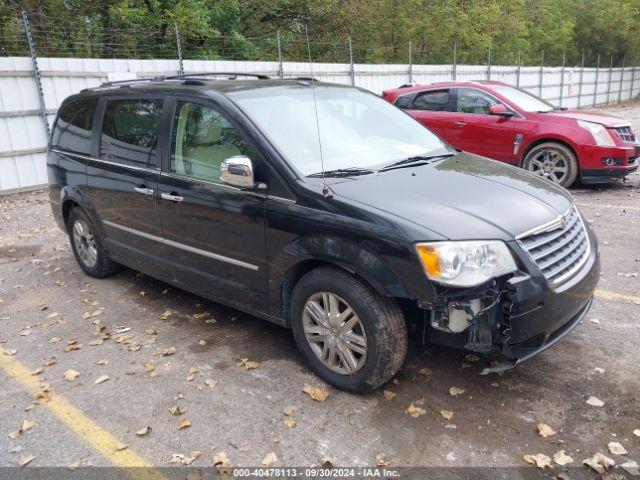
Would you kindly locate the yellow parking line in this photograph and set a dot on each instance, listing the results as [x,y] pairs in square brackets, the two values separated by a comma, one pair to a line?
[617,296]
[605,205]
[89,431]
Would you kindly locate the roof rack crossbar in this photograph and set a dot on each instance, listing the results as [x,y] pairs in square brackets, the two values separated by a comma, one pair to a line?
[259,76]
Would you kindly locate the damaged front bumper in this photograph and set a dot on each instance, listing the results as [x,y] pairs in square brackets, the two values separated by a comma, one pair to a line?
[523,315]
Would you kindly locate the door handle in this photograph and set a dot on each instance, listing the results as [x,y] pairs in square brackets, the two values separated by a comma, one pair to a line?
[171,196]
[143,190]
[460,123]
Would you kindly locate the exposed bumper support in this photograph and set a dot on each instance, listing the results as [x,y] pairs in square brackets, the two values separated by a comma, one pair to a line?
[523,354]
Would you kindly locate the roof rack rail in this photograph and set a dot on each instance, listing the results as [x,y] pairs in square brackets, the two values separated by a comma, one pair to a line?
[132,80]
[259,76]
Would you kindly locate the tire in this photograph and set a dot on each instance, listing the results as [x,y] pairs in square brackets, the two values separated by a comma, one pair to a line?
[546,159]
[378,320]
[87,246]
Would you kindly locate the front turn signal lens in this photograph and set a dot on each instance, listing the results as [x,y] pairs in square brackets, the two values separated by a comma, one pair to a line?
[429,258]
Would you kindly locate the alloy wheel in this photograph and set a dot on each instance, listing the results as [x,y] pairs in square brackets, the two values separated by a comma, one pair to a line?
[550,164]
[85,243]
[335,333]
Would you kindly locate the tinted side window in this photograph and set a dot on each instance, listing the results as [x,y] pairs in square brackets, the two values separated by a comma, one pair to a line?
[201,140]
[474,101]
[130,132]
[404,101]
[72,131]
[435,101]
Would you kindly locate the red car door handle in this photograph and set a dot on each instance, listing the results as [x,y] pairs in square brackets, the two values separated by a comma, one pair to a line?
[460,123]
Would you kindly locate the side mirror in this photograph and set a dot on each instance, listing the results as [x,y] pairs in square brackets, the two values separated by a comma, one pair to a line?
[237,171]
[500,110]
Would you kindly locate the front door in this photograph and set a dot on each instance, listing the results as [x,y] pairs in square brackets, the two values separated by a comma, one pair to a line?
[122,180]
[214,233]
[479,132]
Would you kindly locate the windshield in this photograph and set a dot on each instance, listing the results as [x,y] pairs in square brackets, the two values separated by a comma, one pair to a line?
[357,129]
[524,100]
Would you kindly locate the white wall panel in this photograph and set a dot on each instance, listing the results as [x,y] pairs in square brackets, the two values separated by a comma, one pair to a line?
[62,77]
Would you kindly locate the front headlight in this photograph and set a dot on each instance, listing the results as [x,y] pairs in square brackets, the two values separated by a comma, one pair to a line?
[465,264]
[598,132]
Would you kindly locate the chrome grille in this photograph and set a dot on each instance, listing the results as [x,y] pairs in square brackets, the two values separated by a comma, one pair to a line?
[560,250]
[626,133]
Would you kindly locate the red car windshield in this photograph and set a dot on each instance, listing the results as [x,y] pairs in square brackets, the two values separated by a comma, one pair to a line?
[523,99]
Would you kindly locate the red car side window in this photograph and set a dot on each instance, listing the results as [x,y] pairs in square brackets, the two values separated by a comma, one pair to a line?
[436,101]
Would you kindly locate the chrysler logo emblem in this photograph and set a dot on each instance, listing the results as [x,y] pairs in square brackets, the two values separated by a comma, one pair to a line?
[563,222]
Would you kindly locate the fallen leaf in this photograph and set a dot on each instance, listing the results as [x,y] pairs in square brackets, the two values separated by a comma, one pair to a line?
[202,343]
[10,353]
[244,362]
[595,402]
[143,431]
[454,391]
[149,365]
[425,371]
[316,393]
[415,411]
[594,320]
[599,462]
[151,331]
[201,315]
[37,371]
[327,462]
[15,449]
[15,434]
[27,425]
[185,423]
[540,460]
[74,465]
[614,447]
[121,446]
[289,409]
[70,375]
[471,357]
[599,370]
[447,414]
[209,382]
[25,459]
[631,468]
[389,395]
[382,461]
[221,459]
[43,396]
[545,430]
[176,410]
[96,342]
[165,352]
[101,379]
[269,459]
[290,422]
[636,432]
[166,314]
[55,340]
[102,362]
[562,458]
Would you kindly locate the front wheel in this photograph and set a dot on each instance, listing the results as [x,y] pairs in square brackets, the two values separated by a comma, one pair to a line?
[552,161]
[352,337]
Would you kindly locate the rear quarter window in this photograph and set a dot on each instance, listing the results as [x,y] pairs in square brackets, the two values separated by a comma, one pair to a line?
[72,130]
[130,132]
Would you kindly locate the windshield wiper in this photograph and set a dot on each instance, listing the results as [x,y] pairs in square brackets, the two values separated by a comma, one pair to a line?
[424,159]
[342,172]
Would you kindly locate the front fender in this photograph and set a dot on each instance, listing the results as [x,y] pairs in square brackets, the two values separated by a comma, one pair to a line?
[366,261]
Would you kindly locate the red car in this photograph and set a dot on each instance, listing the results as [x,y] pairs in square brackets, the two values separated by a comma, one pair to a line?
[499,121]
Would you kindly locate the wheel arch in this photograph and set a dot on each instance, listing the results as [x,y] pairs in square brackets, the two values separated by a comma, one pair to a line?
[549,139]
[343,254]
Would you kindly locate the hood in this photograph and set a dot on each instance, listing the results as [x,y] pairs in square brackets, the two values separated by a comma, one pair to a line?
[602,119]
[463,197]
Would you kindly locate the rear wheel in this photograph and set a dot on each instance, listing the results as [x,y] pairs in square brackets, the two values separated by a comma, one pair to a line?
[87,246]
[352,337]
[552,161]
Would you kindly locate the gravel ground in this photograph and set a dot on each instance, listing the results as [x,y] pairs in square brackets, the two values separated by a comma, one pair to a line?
[48,305]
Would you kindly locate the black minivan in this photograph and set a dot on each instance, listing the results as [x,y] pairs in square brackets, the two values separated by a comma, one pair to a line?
[322,208]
